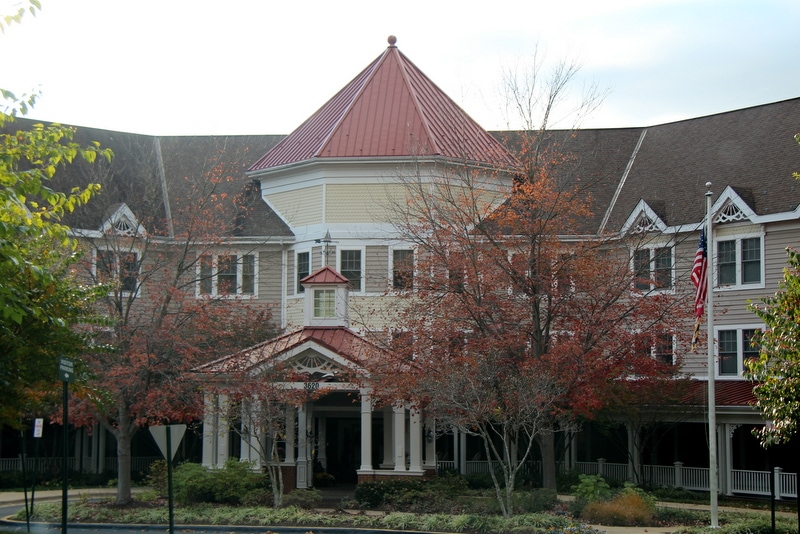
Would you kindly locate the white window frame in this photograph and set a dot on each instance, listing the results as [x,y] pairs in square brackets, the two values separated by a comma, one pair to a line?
[654,352]
[363,253]
[299,289]
[413,252]
[652,248]
[116,274]
[214,275]
[327,304]
[739,329]
[738,283]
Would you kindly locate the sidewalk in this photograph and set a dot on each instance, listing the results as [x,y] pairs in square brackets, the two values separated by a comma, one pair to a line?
[11,498]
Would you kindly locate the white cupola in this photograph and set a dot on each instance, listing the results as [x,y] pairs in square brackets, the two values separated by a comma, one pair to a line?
[327,299]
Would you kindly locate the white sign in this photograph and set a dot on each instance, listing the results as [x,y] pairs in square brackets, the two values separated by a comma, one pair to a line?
[38,424]
[175,436]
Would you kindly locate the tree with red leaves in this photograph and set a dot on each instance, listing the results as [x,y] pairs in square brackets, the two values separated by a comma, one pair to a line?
[259,402]
[175,301]
[518,320]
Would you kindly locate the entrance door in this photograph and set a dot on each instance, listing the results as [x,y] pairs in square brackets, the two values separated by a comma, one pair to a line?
[343,448]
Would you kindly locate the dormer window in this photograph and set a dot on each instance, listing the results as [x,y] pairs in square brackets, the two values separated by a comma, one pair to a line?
[324,303]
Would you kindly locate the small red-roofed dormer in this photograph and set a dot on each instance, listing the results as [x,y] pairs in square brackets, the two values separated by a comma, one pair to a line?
[327,299]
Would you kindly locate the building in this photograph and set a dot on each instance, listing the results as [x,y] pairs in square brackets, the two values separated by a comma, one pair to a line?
[313,213]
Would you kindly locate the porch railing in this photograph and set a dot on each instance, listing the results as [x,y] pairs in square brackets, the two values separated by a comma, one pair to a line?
[677,475]
[139,464]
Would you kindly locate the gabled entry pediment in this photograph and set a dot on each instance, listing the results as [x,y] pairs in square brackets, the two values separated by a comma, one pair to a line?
[339,351]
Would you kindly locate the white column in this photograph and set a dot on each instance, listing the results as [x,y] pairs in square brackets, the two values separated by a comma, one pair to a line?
[309,444]
[215,431]
[429,438]
[415,441]
[726,462]
[388,439]
[223,433]
[366,431]
[209,431]
[399,438]
[290,433]
[302,448]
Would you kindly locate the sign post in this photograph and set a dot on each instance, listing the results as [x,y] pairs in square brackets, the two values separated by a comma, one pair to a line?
[66,372]
[38,426]
[168,438]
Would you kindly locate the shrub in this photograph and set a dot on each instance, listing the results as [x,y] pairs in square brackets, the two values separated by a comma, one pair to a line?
[369,494]
[591,488]
[258,497]
[534,501]
[11,479]
[628,508]
[229,485]
[567,479]
[391,492]
[192,484]
[157,477]
[303,498]
[479,481]
[234,481]
[449,484]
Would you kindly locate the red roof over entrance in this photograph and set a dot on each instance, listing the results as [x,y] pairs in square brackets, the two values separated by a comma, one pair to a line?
[391,109]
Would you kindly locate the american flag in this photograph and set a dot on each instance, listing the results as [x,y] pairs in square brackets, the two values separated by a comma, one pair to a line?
[700,281]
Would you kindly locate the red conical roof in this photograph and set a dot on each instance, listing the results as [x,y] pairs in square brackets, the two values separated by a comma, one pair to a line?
[391,109]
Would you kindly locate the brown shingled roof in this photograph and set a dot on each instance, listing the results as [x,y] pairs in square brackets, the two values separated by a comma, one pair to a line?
[391,109]
[752,150]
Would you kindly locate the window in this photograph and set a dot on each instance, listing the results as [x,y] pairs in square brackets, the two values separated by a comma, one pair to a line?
[227,274]
[739,261]
[324,303]
[660,347]
[402,269]
[121,268]
[735,346]
[663,350]
[350,267]
[303,263]
[653,268]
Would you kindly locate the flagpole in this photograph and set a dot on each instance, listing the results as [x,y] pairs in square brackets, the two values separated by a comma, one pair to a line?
[712,407]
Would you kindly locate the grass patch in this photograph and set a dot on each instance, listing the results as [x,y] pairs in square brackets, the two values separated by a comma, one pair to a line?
[292,516]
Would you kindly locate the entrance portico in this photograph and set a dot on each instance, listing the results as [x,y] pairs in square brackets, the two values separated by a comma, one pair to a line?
[332,426]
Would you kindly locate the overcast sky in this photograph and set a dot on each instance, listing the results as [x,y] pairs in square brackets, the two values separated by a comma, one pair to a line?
[178,67]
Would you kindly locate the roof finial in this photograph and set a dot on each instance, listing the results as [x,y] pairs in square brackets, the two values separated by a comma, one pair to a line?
[392,40]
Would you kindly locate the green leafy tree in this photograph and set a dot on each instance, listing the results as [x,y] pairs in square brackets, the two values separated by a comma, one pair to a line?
[777,368]
[39,300]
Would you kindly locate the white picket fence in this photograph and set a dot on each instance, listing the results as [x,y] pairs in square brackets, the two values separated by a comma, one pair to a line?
[43,465]
[692,478]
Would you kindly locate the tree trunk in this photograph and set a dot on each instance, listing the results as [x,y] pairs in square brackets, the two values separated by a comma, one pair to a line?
[124,434]
[547,446]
